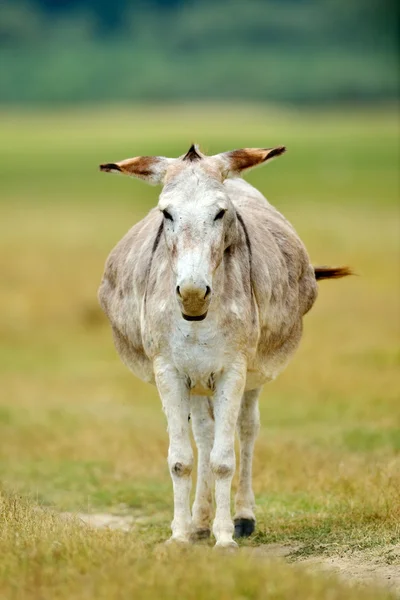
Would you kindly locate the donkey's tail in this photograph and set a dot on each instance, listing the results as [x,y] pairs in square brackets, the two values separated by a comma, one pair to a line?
[331,272]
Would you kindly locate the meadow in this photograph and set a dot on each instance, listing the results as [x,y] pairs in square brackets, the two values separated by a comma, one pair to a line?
[79,434]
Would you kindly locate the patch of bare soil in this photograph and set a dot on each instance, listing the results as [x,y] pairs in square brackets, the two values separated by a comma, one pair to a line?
[378,567]
[107,520]
[102,520]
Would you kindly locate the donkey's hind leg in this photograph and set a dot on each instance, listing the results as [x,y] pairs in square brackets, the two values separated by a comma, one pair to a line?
[248,427]
[203,430]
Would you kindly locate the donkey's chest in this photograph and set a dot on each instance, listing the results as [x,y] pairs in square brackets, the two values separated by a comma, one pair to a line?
[199,353]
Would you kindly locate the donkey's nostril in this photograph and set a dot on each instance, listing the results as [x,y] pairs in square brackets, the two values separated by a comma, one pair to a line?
[190,293]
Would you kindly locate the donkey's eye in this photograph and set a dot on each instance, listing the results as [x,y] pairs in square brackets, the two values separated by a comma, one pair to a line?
[220,214]
[167,215]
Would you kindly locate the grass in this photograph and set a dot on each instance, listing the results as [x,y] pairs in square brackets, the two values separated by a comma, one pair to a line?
[78,432]
[49,558]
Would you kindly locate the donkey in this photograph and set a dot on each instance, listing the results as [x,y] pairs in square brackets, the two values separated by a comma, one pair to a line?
[206,297]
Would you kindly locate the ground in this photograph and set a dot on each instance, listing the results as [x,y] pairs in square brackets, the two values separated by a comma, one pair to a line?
[80,435]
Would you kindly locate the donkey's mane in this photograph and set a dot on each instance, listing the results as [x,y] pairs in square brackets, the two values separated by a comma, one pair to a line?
[192,154]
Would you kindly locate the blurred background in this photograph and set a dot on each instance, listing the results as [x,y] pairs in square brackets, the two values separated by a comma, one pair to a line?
[84,82]
[292,51]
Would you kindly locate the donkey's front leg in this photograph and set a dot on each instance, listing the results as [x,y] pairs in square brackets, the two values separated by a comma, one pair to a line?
[175,399]
[227,398]
[203,431]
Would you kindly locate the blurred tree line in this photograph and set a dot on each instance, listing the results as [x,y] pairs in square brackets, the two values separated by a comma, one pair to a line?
[310,51]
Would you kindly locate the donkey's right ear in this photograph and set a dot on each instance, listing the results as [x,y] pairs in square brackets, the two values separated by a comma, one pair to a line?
[150,168]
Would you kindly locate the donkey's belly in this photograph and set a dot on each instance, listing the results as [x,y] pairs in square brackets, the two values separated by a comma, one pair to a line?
[254,380]
[200,390]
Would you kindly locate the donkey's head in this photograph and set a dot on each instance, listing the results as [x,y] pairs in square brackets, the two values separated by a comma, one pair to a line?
[199,219]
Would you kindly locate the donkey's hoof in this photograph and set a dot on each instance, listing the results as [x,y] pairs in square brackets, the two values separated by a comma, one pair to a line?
[226,547]
[178,542]
[244,527]
[200,534]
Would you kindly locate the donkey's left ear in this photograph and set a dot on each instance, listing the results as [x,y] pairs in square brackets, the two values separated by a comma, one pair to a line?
[236,161]
[150,168]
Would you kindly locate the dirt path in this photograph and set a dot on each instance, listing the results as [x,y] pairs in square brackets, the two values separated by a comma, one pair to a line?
[364,567]
[380,566]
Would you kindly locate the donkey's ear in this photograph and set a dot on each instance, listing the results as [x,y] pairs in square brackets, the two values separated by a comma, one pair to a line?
[150,168]
[236,161]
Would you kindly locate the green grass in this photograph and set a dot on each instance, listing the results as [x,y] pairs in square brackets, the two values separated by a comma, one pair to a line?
[78,432]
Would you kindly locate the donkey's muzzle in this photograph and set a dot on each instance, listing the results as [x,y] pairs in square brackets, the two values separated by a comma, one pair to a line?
[194,300]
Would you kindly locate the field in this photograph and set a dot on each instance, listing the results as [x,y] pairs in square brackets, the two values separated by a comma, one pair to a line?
[79,434]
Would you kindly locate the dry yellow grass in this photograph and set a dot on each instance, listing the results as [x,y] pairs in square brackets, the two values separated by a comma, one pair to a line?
[46,557]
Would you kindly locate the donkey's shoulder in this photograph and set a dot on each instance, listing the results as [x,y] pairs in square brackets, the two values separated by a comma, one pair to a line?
[273,238]
[132,253]
[124,280]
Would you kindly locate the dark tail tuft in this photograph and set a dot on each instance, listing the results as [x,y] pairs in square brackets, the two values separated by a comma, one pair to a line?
[331,272]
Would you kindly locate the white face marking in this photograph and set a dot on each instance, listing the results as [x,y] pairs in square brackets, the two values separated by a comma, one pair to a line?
[199,224]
